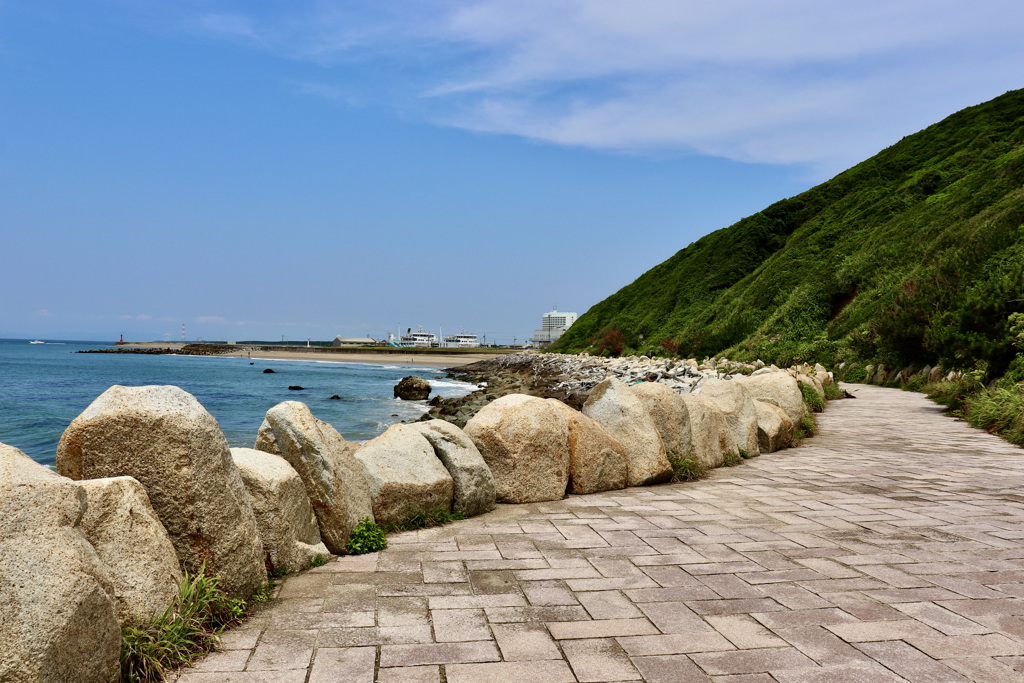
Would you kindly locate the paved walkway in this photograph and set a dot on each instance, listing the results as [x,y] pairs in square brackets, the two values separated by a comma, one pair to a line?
[888,548]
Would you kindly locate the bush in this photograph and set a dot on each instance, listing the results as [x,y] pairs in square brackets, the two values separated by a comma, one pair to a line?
[915,383]
[687,469]
[187,629]
[998,411]
[855,375]
[732,459]
[610,342]
[811,398]
[833,392]
[367,537]
[424,520]
[807,426]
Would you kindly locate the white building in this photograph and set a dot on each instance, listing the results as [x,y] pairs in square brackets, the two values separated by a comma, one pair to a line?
[552,326]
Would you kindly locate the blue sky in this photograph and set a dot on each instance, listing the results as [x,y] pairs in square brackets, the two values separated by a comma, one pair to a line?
[307,169]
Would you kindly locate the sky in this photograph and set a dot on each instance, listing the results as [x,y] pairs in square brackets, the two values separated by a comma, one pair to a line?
[306,169]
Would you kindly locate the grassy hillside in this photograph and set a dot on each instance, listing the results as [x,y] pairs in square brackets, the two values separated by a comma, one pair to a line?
[913,256]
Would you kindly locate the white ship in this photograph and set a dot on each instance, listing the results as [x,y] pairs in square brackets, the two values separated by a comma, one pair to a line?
[419,338]
[463,340]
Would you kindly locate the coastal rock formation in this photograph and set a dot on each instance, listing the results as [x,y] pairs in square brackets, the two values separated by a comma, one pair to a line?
[57,615]
[164,438]
[284,515]
[779,388]
[671,419]
[121,525]
[474,483]
[412,388]
[710,436]
[404,475]
[740,413]
[325,462]
[596,460]
[774,428]
[613,405]
[525,442]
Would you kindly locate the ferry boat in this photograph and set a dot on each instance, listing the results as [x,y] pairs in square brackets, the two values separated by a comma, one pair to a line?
[419,338]
[462,340]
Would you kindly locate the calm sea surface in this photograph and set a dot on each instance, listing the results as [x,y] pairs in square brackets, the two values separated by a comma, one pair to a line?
[43,387]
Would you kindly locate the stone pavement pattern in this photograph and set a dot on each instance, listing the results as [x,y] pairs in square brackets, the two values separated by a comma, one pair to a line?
[887,548]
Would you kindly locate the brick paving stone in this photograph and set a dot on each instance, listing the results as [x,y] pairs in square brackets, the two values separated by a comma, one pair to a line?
[895,529]
[511,672]
[410,674]
[343,664]
[669,669]
[909,662]
[525,642]
[597,660]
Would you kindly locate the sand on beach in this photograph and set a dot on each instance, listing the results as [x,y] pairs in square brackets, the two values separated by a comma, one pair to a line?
[427,360]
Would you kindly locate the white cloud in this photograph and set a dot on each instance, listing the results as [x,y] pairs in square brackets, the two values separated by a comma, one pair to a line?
[793,81]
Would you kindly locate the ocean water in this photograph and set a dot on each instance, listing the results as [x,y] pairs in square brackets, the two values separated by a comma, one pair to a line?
[43,387]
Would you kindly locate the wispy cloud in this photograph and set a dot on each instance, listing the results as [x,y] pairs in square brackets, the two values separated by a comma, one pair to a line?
[793,81]
[43,313]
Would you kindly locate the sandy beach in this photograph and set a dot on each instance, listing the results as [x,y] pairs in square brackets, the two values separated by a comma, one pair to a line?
[416,358]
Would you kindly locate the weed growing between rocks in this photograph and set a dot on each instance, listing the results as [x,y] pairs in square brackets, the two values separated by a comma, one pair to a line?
[743,453]
[806,427]
[424,520]
[811,398]
[318,561]
[366,537]
[687,469]
[186,630]
[732,459]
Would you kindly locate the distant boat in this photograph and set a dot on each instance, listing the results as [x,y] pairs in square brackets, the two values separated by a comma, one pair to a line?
[37,342]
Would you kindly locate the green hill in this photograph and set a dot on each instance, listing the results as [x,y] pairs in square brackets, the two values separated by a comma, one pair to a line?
[913,256]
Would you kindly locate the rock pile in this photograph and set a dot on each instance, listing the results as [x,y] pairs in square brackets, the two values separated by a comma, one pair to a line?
[147,485]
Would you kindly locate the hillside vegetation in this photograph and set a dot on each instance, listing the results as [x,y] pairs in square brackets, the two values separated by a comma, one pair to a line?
[914,256]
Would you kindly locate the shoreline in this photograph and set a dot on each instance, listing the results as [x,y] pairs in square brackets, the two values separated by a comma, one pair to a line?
[429,359]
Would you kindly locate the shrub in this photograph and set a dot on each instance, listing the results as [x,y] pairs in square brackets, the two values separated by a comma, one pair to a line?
[320,560]
[671,347]
[687,469]
[998,411]
[856,375]
[833,392]
[811,398]
[609,342]
[915,383]
[367,537]
[807,426]
[187,629]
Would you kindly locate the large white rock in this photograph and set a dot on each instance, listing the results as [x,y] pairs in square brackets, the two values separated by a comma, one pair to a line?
[780,388]
[597,461]
[525,442]
[404,475]
[326,463]
[616,408]
[710,437]
[474,483]
[284,515]
[740,413]
[129,539]
[815,383]
[164,438]
[774,428]
[668,411]
[57,616]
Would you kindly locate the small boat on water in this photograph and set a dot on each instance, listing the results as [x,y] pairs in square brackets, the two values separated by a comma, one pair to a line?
[37,342]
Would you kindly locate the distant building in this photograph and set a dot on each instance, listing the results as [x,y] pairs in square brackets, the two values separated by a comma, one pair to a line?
[552,326]
[353,341]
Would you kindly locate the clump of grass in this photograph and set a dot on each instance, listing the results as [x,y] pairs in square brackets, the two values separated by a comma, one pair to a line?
[833,392]
[811,398]
[367,537]
[264,592]
[743,453]
[806,427]
[319,561]
[687,469]
[855,375]
[999,411]
[424,520]
[186,630]
[953,394]
[732,458]
[915,383]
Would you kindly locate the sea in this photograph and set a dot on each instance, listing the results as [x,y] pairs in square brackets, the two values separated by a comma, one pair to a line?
[43,387]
